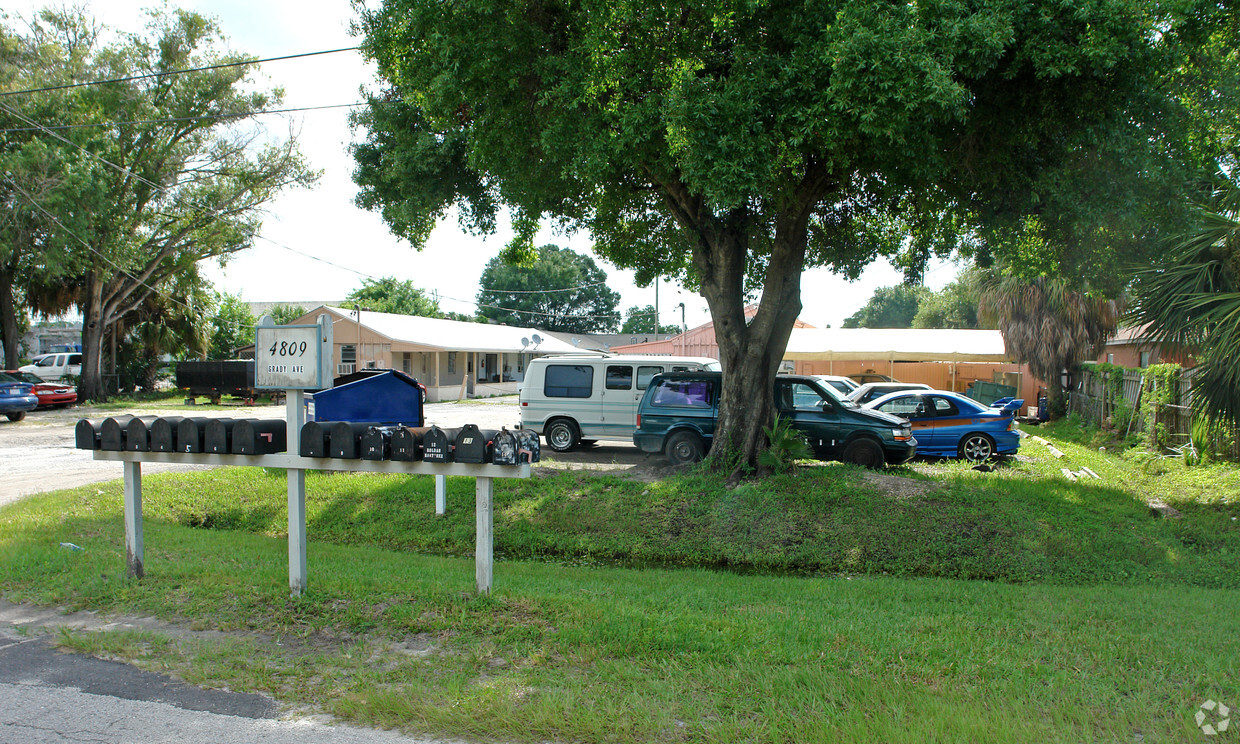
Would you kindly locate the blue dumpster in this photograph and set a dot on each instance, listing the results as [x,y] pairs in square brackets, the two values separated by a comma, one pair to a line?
[389,399]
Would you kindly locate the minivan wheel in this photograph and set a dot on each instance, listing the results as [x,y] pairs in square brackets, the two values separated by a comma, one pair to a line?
[864,452]
[977,448]
[685,447]
[562,435]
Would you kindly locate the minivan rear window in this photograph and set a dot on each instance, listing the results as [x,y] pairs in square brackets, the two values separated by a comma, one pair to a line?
[568,381]
[688,393]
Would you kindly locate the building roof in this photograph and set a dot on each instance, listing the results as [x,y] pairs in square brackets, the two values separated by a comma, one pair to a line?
[896,344]
[416,333]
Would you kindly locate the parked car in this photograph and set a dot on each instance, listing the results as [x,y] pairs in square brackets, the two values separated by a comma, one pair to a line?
[871,390]
[951,425]
[16,398]
[677,417]
[842,385]
[572,398]
[50,394]
[862,378]
[55,366]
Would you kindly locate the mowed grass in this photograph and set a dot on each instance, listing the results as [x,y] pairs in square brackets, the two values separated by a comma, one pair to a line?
[854,611]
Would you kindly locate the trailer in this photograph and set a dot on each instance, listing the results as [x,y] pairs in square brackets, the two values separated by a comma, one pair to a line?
[217,378]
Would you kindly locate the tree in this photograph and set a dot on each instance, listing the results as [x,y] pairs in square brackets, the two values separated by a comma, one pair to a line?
[232,326]
[390,295]
[732,145]
[1047,325]
[561,290]
[1191,301]
[889,307]
[643,320]
[164,178]
[954,306]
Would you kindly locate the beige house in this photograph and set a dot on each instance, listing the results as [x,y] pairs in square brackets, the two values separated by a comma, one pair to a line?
[453,359]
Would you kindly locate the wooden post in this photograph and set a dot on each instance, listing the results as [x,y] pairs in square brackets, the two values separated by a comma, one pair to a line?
[484,553]
[133,518]
[295,419]
[441,495]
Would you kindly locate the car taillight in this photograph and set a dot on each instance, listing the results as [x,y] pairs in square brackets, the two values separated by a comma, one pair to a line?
[639,421]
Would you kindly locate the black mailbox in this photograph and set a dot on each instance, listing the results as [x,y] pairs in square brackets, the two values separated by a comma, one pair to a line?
[437,444]
[259,437]
[218,439]
[528,449]
[504,448]
[376,443]
[86,434]
[314,436]
[346,439]
[164,433]
[473,444]
[192,433]
[112,433]
[138,434]
[407,443]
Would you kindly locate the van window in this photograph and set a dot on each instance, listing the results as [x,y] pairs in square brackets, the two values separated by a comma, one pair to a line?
[619,377]
[47,361]
[689,393]
[645,374]
[568,381]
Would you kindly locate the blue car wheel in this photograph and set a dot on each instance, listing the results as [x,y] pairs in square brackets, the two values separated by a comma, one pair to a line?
[977,447]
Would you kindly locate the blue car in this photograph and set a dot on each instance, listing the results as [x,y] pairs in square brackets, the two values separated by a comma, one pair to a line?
[16,397]
[950,425]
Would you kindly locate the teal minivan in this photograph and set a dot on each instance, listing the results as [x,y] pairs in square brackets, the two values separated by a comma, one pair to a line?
[677,417]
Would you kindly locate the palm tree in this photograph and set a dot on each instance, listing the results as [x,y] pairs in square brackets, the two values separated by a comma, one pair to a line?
[1046,325]
[1191,301]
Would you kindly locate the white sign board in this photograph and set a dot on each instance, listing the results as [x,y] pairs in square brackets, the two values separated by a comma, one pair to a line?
[292,357]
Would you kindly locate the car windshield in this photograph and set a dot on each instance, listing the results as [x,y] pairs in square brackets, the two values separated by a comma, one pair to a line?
[830,392]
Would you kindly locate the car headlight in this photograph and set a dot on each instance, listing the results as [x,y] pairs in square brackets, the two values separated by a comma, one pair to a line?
[902,435]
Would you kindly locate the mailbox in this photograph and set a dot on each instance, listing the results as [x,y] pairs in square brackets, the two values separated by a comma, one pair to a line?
[164,433]
[112,433]
[86,434]
[218,439]
[345,440]
[138,435]
[376,443]
[437,444]
[407,443]
[314,436]
[192,433]
[504,448]
[528,449]
[259,437]
[473,444]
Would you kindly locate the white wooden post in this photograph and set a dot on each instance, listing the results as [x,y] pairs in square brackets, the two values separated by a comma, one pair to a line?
[133,518]
[484,553]
[441,495]
[295,419]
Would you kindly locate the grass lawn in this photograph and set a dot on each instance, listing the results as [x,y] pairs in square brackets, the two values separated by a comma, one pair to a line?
[928,603]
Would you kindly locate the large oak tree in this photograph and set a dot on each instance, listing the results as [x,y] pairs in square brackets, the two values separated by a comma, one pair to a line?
[734,144]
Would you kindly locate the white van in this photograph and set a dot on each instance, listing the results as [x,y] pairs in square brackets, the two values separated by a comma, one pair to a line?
[573,397]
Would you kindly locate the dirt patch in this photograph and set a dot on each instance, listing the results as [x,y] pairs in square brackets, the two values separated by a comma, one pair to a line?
[899,487]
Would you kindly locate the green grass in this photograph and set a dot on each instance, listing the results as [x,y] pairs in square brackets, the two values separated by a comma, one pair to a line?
[1100,623]
[167,400]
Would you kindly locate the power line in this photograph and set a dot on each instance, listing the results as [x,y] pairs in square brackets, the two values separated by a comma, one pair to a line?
[171,120]
[147,75]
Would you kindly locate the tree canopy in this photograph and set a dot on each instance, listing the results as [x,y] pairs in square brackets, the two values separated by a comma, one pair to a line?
[391,295]
[153,175]
[888,307]
[731,145]
[645,320]
[561,290]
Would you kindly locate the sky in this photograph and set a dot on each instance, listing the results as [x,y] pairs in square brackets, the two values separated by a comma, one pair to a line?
[316,245]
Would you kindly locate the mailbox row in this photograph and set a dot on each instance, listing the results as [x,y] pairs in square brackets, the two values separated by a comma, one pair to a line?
[468,444]
[221,436]
[336,439]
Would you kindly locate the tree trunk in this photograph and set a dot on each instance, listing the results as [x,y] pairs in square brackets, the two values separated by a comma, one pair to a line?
[90,386]
[8,321]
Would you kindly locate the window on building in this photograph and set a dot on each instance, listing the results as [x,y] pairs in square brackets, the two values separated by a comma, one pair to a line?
[451,362]
[1145,359]
[348,354]
[1110,359]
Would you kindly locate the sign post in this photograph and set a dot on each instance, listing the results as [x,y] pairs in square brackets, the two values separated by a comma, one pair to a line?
[294,358]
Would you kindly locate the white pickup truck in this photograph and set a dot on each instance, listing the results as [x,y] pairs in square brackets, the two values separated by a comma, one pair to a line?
[55,366]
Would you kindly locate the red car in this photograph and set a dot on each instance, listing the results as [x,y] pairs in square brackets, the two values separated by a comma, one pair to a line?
[50,394]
